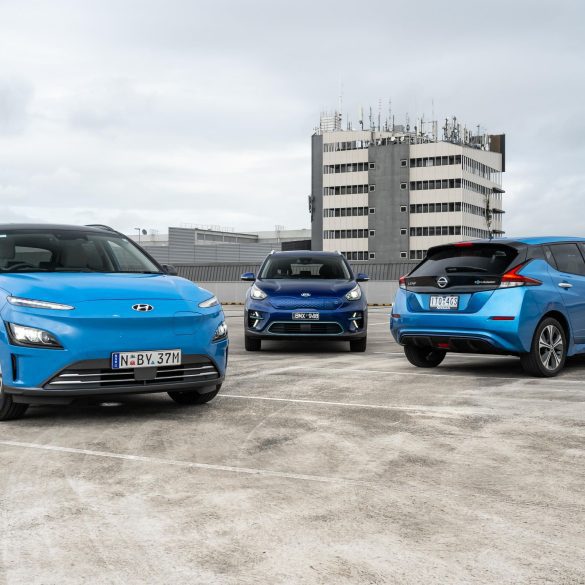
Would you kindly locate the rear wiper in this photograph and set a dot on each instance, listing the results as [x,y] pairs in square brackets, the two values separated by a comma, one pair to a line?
[465,269]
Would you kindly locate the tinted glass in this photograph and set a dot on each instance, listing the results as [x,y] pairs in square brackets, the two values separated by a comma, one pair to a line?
[475,259]
[568,258]
[70,251]
[301,267]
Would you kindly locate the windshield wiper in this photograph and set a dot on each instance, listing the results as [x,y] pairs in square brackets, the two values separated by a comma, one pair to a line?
[465,269]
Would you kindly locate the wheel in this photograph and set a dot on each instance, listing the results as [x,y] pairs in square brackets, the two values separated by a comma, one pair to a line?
[193,397]
[252,344]
[358,344]
[548,351]
[424,357]
[10,410]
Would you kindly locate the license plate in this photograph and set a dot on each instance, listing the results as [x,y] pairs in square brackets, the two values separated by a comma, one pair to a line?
[444,303]
[305,316]
[146,359]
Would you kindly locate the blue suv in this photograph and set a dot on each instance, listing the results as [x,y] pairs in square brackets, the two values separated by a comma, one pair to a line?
[85,311]
[304,295]
[523,297]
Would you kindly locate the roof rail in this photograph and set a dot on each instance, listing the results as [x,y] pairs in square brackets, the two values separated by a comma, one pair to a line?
[101,225]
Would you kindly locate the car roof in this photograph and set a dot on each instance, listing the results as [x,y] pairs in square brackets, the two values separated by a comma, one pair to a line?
[315,253]
[529,241]
[13,227]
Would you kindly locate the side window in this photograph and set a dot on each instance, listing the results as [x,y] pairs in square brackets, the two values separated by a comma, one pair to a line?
[569,258]
[549,257]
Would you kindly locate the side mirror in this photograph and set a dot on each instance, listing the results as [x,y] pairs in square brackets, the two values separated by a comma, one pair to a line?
[248,276]
[170,269]
[361,277]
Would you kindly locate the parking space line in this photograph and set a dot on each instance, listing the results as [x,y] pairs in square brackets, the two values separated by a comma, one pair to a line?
[413,409]
[189,464]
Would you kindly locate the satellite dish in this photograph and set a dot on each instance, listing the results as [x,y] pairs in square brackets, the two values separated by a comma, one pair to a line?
[144,232]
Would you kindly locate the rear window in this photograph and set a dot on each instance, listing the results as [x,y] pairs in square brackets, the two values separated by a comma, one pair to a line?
[475,259]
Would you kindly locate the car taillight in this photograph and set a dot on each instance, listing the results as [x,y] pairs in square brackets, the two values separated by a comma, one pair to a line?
[402,282]
[512,279]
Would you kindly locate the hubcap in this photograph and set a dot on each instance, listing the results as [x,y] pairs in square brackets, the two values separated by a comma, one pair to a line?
[550,347]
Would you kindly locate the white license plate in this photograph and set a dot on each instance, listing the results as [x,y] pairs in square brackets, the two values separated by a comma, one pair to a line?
[305,316]
[146,359]
[444,303]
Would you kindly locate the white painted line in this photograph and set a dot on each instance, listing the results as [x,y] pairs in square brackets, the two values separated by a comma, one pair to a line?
[422,411]
[186,464]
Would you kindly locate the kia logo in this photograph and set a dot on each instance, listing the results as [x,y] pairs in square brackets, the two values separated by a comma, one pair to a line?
[442,281]
[142,308]
[305,294]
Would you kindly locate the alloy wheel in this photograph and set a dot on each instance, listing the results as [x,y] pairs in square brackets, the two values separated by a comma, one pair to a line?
[551,347]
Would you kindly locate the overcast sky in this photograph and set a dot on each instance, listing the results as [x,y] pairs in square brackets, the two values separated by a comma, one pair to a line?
[143,113]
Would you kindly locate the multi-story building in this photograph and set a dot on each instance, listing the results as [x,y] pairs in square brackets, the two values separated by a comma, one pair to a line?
[388,194]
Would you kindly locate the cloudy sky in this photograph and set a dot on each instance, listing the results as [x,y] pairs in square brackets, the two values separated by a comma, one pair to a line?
[155,113]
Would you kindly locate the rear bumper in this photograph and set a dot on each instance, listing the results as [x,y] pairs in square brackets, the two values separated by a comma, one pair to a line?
[455,343]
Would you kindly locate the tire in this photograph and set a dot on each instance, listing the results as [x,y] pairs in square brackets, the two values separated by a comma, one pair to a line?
[193,397]
[548,351]
[10,410]
[252,344]
[358,345]
[424,357]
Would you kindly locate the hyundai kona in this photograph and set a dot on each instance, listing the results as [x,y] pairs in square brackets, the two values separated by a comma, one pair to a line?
[85,311]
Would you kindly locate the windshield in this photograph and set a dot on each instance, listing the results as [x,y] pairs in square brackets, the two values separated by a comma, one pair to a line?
[477,258]
[305,267]
[71,251]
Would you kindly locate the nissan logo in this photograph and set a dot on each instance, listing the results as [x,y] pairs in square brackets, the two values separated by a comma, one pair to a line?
[143,308]
[305,294]
[442,281]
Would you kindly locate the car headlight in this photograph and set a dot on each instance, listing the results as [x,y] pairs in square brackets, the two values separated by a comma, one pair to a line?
[30,336]
[212,302]
[257,293]
[34,304]
[221,332]
[355,294]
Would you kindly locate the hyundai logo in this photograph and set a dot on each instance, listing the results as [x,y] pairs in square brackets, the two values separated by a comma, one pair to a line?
[442,281]
[305,294]
[143,308]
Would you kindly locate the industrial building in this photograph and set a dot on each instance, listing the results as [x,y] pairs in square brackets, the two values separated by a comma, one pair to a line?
[195,244]
[389,193]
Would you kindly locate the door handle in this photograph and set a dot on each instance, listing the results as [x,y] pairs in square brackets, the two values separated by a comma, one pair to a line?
[565,285]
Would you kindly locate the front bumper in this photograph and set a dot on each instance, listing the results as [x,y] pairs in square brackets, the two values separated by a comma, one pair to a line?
[349,322]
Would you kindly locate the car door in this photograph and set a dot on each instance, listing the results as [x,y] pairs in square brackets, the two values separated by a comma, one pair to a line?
[570,278]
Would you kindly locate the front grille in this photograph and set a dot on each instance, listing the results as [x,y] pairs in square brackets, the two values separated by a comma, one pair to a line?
[96,374]
[291,328]
[320,304]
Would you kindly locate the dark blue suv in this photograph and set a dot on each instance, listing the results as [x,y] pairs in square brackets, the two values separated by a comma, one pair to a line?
[303,295]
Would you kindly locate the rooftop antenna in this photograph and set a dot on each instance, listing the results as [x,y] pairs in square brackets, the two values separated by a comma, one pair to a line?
[379,113]
[371,120]
[361,117]
[389,115]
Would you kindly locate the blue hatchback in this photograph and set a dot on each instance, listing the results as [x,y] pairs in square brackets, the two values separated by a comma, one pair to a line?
[523,297]
[305,295]
[85,311]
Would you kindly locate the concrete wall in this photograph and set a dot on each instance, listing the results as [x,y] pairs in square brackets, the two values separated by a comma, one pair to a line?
[387,198]
[377,292]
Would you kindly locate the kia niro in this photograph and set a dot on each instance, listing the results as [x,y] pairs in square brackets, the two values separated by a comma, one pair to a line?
[305,295]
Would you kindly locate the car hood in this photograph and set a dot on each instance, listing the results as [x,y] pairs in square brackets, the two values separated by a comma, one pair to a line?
[71,288]
[292,287]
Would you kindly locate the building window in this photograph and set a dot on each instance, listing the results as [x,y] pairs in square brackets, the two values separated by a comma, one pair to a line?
[403,231]
[403,186]
[403,162]
[372,233]
[372,210]
[372,187]
[372,165]
[403,254]
[372,255]
[403,209]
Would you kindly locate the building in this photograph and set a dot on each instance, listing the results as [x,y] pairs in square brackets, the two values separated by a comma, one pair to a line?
[204,244]
[389,193]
